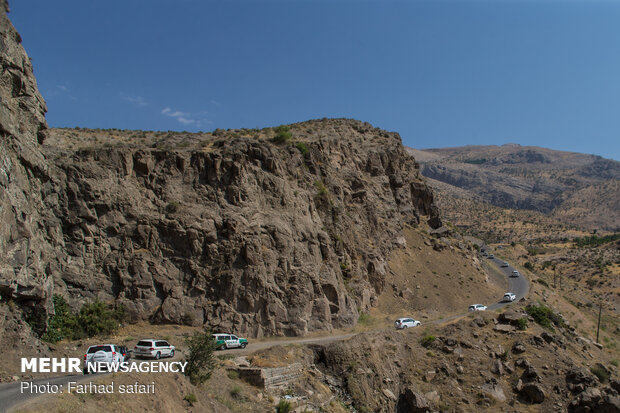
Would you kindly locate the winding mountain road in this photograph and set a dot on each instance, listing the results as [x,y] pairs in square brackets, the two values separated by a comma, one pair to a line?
[11,395]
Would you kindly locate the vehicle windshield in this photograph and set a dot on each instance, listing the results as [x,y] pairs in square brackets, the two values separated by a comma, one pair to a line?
[95,349]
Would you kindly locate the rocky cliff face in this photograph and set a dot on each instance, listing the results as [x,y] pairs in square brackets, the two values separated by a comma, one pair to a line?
[229,230]
[25,251]
[244,234]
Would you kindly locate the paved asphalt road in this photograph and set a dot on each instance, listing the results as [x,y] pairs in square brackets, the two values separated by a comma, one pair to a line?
[11,395]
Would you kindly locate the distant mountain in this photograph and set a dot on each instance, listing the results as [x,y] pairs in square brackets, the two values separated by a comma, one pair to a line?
[578,189]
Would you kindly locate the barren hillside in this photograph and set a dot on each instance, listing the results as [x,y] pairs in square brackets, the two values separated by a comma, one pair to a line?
[578,189]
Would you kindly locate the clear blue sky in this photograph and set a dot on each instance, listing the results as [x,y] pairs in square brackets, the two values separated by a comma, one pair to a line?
[440,73]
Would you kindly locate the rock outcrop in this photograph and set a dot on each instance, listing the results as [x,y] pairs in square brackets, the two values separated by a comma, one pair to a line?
[249,236]
[26,249]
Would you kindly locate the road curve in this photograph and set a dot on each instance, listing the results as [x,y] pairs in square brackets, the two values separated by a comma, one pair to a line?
[11,395]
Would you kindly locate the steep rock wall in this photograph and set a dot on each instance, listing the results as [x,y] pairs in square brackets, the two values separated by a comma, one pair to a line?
[246,235]
[24,173]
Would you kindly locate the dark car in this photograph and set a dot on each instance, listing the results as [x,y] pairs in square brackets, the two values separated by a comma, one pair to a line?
[125,352]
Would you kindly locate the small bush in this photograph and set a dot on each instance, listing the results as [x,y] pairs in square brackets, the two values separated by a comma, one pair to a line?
[303,148]
[544,316]
[615,362]
[235,392]
[283,406]
[172,206]
[542,282]
[428,340]
[200,360]
[529,266]
[283,134]
[522,323]
[364,319]
[191,399]
[234,375]
[601,373]
[321,188]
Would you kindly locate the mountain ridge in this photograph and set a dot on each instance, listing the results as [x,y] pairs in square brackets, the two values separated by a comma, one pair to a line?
[577,189]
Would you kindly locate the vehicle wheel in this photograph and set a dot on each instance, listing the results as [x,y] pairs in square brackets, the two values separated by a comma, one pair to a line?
[157,355]
[172,353]
[405,327]
[243,345]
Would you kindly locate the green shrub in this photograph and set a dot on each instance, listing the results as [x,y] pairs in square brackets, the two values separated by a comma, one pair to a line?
[322,196]
[542,282]
[93,319]
[363,319]
[595,240]
[544,316]
[235,392]
[615,362]
[522,323]
[321,188]
[191,399]
[62,323]
[428,340]
[283,406]
[529,266]
[601,373]
[99,318]
[283,134]
[303,148]
[232,374]
[200,360]
[172,206]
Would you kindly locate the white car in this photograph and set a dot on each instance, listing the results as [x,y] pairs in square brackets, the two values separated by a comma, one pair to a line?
[515,273]
[491,256]
[477,307]
[153,348]
[509,297]
[504,264]
[406,323]
[103,353]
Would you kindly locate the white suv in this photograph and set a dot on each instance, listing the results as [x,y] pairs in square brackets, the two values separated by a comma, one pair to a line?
[515,273]
[406,323]
[153,348]
[509,297]
[477,307]
[104,353]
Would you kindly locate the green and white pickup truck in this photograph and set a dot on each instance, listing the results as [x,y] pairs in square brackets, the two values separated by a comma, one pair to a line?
[224,341]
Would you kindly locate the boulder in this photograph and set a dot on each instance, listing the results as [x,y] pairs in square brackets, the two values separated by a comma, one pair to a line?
[504,328]
[388,393]
[493,390]
[518,347]
[578,379]
[532,393]
[411,402]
